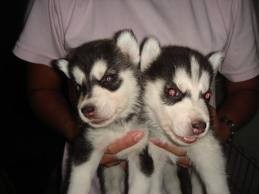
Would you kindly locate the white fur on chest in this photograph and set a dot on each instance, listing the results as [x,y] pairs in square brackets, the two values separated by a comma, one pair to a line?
[102,137]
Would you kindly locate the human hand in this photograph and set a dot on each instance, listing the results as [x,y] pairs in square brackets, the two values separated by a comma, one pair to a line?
[183,159]
[109,158]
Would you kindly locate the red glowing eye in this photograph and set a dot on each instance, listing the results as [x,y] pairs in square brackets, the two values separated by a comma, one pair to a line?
[172,92]
[207,95]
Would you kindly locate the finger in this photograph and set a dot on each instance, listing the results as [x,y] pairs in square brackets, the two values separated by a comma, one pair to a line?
[110,164]
[184,162]
[108,158]
[169,147]
[128,140]
[123,164]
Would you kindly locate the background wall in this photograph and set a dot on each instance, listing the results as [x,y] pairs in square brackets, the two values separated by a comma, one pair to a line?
[30,152]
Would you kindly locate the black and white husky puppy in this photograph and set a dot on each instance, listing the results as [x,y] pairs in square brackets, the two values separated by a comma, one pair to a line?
[176,96]
[106,74]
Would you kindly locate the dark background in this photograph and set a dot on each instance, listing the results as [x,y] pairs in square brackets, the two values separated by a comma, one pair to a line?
[30,152]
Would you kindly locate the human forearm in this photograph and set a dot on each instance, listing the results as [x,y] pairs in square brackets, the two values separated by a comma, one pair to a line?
[53,109]
[241,101]
[240,104]
[240,107]
[48,101]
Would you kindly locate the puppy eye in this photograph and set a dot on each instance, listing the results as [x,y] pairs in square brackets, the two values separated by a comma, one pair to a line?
[207,95]
[174,93]
[109,78]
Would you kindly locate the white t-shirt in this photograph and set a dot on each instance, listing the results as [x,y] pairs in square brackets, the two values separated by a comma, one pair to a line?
[54,26]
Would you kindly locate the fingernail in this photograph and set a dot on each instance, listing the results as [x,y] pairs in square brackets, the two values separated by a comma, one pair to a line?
[155,141]
[138,135]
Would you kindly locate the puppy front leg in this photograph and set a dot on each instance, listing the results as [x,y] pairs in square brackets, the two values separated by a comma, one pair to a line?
[164,176]
[207,158]
[197,187]
[171,180]
[140,170]
[83,173]
[114,178]
[160,158]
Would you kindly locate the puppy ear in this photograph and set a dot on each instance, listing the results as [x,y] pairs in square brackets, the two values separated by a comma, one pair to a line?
[127,43]
[216,59]
[150,51]
[61,65]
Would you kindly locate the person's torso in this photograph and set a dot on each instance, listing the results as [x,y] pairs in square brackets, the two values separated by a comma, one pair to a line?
[198,24]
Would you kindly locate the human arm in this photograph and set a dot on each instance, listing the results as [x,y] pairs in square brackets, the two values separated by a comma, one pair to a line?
[47,100]
[240,67]
[239,105]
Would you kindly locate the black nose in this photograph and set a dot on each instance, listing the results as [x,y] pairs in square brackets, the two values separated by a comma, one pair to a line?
[88,110]
[198,127]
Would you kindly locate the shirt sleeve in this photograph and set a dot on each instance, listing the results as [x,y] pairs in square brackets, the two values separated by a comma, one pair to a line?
[42,38]
[241,59]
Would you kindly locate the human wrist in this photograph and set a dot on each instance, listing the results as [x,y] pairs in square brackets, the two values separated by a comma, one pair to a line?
[230,125]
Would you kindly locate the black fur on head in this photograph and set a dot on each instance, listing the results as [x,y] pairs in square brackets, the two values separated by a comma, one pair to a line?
[119,52]
[161,61]
[173,57]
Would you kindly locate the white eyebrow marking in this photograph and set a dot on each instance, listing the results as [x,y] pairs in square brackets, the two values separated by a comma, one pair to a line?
[182,79]
[204,82]
[201,81]
[195,83]
[99,69]
[194,69]
[78,75]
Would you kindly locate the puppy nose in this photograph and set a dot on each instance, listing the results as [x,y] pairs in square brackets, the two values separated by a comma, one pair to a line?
[198,127]
[88,110]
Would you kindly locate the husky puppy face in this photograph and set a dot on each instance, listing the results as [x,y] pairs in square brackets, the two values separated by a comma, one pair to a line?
[177,89]
[104,72]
